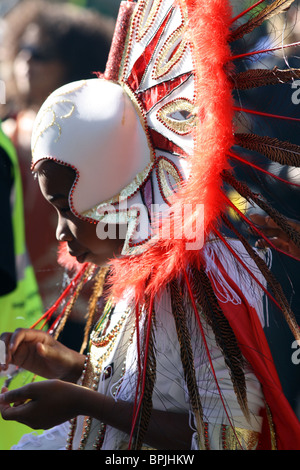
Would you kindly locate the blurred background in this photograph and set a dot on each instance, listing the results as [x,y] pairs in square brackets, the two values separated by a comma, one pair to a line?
[110,7]
[46,43]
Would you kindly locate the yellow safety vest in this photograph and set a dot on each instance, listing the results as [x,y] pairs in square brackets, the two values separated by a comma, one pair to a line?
[23,306]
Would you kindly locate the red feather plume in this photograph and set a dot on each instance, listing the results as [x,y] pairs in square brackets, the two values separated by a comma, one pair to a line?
[207,33]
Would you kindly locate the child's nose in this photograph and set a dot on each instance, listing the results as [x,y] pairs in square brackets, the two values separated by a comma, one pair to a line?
[63,233]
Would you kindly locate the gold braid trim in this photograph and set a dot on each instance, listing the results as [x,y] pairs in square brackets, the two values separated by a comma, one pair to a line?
[72,302]
[272,429]
[147,405]
[97,293]
[234,438]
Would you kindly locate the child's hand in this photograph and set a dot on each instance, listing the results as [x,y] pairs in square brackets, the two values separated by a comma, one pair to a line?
[37,352]
[276,235]
[41,405]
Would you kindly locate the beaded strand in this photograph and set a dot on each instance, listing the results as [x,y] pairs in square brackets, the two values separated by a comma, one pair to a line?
[98,340]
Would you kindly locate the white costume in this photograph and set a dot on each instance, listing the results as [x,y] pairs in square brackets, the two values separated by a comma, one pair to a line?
[170,393]
[149,138]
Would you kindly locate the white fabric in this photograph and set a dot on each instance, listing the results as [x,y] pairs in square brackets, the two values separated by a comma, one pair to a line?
[93,126]
[52,439]
[216,250]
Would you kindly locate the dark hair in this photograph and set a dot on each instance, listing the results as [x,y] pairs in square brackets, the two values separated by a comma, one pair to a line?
[80,37]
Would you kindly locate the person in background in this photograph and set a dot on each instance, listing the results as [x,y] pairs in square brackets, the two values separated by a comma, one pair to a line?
[276,234]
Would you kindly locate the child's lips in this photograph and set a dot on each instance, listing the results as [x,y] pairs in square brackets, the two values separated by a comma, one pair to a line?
[80,257]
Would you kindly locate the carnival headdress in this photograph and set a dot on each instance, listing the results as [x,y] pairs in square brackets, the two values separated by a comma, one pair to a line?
[152,138]
[155,139]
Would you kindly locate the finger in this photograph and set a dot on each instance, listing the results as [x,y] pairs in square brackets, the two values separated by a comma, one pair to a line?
[261,243]
[16,403]
[271,223]
[264,222]
[13,342]
[4,366]
[260,223]
[3,407]
[5,337]
[268,227]
[4,389]
[276,242]
[22,336]
[21,402]
[257,219]
[16,413]
[41,349]
[16,339]
[18,395]
[271,232]
[3,404]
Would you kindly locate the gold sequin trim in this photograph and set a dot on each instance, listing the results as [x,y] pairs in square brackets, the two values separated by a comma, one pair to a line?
[172,51]
[166,169]
[180,116]
[144,26]
[239,438]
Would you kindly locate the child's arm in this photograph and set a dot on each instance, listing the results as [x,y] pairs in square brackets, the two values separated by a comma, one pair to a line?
[53,402]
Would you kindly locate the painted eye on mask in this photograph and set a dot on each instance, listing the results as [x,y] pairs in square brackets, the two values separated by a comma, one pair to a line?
[180,116]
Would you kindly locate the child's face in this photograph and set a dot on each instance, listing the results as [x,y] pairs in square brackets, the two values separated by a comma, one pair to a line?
[55,183]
